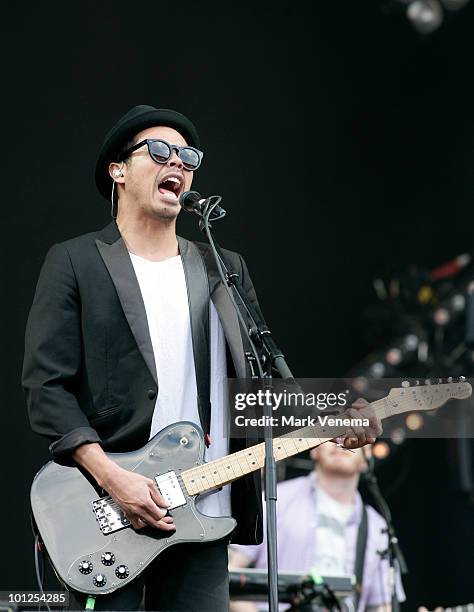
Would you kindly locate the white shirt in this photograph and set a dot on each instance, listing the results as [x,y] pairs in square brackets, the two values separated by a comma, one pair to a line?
[164,292]
[330,551]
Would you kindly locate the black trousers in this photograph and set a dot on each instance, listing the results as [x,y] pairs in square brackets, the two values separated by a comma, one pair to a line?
[186,577]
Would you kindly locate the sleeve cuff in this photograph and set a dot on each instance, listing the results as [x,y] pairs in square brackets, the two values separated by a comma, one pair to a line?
[63,448]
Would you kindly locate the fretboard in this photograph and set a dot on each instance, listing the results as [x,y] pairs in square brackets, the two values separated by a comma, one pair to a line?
[220,472]
[227,469]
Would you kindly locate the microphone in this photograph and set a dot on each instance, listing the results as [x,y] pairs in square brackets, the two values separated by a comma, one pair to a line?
[192,201]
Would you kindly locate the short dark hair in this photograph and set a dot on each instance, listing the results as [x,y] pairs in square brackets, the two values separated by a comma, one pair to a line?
[126,146]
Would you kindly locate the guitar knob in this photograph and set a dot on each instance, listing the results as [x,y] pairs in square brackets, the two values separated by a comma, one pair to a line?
[99,580]
[85,567]
[122,572]
[108,558]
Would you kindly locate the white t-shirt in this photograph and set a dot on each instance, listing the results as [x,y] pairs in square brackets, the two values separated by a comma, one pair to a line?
[164,292]
[330,552]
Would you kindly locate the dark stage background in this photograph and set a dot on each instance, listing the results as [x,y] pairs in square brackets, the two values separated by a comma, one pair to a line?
[342,143]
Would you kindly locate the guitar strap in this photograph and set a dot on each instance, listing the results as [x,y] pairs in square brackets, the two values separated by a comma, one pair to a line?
[361,546]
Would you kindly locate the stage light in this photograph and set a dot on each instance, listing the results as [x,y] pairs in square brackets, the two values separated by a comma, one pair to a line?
[411,342]
[381,450]
[360,384]
[423,351]
[377,369]
[414,421]
[425,15]
[425,295]
[398,435]
[393,356]
[441,316]
[458,302]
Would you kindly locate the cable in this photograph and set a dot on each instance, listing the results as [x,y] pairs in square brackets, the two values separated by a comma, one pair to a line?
[219,261]
[39,574]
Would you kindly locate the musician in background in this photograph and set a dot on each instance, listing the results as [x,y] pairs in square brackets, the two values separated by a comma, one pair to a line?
[319,520]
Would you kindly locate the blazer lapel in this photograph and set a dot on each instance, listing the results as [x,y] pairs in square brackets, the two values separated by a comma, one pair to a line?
[197,285]
[227,315]
[117,260]
[203,282]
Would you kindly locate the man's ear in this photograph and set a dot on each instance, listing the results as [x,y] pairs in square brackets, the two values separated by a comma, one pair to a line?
[314,453]
[116,171]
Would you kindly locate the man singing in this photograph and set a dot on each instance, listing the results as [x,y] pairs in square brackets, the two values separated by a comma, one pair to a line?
[131,329]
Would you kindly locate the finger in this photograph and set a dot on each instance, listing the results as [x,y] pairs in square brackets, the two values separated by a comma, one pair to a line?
[358,433]
[360,403]
[148,511]
[157,497]
[152,513]
[137,522]
[167,519]
[351,442]
[166,526]
[374,428]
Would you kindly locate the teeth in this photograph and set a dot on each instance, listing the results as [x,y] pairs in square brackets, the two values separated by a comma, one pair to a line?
[174,180]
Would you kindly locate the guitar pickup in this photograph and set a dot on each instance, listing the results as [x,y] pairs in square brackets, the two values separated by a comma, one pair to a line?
[170,489]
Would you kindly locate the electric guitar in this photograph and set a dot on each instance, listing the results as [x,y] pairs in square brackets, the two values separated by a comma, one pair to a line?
[91,544]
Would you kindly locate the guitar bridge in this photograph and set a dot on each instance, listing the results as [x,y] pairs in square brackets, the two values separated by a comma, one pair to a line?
[109,515]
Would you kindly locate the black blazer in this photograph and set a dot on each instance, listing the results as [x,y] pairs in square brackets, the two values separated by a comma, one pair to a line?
[89,372]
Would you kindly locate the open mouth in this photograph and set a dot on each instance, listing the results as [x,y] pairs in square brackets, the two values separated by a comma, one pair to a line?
[170,186]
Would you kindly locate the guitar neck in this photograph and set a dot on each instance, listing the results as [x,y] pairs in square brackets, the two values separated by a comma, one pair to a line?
[223,471]
[227,469]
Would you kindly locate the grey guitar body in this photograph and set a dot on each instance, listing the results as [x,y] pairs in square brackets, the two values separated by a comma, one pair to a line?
[89,551]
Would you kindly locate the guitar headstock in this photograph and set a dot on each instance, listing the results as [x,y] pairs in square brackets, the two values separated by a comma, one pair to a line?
[429,394]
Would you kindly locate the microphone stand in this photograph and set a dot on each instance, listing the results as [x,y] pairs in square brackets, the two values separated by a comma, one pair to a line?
[271,357]
[393,552]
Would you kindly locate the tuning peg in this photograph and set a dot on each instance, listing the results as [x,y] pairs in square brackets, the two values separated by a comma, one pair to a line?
[462,378]
[450,379]
[440,381]
[417,383]
[405,383]
[428,381]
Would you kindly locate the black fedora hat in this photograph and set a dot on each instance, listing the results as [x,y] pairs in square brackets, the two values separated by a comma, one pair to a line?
[137,119]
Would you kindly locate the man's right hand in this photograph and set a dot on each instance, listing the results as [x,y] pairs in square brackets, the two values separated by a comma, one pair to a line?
[137,495]
[139,498]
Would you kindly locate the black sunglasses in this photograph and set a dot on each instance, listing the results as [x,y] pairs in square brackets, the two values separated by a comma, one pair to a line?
[161,151]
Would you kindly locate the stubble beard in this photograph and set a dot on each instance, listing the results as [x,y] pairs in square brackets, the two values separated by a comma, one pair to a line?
[166,214]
